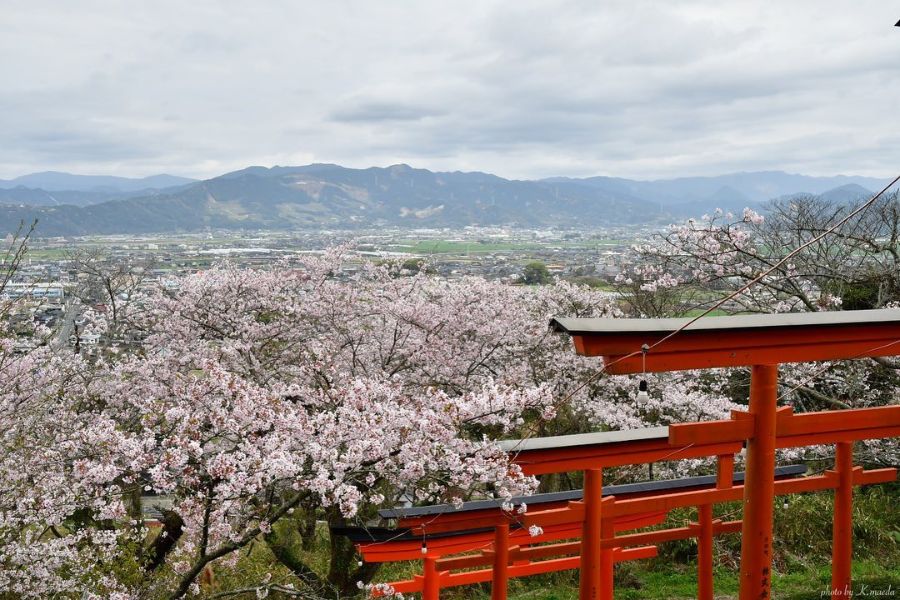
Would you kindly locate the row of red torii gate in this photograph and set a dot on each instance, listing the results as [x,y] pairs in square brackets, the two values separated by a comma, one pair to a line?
[594,528]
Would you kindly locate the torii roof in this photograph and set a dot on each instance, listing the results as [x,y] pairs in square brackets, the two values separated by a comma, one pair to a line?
[585,439]
[575,326]
[623,490]
[732,341]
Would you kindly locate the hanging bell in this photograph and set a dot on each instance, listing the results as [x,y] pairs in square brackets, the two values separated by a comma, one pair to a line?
[642,396]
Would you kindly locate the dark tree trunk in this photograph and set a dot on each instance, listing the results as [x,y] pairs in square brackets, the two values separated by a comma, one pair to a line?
[165,541]
[344,570]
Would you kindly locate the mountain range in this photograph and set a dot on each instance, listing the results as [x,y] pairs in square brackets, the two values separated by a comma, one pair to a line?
[332,196]
[55,181]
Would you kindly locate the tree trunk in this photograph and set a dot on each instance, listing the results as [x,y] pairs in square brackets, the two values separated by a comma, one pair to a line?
[344,569]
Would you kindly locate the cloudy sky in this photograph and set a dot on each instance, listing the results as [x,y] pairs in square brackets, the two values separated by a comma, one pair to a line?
[519,88]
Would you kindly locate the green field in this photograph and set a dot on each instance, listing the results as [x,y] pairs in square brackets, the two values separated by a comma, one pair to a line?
[48,253]
[455,247]
[484,247]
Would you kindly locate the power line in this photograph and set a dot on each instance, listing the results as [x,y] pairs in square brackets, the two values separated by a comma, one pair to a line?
[861,208]
[818,372]
[647,348]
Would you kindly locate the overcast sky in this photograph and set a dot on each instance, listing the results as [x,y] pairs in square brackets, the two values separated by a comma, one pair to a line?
[518,88]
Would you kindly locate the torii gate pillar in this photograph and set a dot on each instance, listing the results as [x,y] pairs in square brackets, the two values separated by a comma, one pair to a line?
[759,487]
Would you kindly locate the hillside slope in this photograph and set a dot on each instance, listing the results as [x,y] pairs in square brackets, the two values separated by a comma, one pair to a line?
[331,196]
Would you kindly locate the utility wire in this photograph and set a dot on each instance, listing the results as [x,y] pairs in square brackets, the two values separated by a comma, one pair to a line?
[647,348]
[861,208]
[821,370]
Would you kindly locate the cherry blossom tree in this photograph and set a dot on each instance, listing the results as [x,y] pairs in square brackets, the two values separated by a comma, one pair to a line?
[261,401]
[858,263]
[695,264]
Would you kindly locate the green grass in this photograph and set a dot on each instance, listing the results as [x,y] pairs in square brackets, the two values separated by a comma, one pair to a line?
[653,582]
[48,253]
[694,312]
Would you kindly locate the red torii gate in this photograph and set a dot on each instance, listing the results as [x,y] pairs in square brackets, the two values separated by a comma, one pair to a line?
[761,342]
[481,534]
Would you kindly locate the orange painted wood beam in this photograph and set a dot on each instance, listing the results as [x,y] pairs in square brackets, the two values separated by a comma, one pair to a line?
[533,553]
[575,511]
[627,547]
[445,546]
[836,425]
[854,435]
[759,486]
[740,356]
[500,571]
[705,535]
[842,527]
[714,496]
[735,341]
[451,522]
[725,471]
[564,460]
[448,580]
[592,509]
[661,536]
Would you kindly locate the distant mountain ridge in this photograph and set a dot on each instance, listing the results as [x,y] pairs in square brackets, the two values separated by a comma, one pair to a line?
[327,195]
[56,181]
[730,191]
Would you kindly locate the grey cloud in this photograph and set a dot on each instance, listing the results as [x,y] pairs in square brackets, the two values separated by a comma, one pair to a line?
[526,89]
[383,111]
